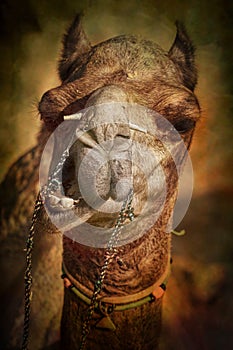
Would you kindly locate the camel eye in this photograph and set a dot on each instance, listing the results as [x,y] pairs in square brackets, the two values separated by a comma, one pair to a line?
[184,125]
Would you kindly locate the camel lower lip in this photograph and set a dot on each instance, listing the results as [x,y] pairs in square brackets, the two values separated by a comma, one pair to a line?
[66,216]
[94,227]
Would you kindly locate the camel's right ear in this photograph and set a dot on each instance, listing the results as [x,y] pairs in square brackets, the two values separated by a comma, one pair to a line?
[75,43]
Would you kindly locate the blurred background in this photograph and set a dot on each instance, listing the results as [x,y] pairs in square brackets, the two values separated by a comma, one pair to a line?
[198,306]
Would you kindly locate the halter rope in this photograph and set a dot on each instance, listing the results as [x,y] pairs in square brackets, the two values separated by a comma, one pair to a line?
[28,274]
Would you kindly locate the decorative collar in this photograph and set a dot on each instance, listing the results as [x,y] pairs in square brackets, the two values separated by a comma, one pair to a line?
[107,305]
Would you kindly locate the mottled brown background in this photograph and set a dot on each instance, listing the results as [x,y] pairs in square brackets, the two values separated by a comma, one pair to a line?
[30,42]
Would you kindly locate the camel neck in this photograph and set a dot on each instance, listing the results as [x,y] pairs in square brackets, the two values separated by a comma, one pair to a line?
[137,266]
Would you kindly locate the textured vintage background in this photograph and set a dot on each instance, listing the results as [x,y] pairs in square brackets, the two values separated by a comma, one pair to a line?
[30,42]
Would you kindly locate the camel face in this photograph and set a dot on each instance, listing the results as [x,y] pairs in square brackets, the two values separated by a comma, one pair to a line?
[103,85]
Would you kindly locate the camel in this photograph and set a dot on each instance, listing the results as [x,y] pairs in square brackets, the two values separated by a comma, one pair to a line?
[123,70]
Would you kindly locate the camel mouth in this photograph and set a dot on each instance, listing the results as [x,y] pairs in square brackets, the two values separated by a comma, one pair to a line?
[61,207]
[76,219]
[92,225]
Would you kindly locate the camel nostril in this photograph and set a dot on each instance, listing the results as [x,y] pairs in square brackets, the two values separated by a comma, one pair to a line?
[123,136]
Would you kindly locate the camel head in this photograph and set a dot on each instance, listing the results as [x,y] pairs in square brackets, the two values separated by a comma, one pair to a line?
[122,99]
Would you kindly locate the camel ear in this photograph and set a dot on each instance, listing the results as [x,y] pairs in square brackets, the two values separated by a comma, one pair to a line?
[75,44]
[182,53]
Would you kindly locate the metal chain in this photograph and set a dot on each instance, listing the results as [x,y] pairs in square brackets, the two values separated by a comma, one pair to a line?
[53,182]
[110,254]
[28,274]
[53,185]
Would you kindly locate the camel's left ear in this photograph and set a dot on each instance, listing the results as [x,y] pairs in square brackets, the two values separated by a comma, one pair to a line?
[182,53]
[75,44]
